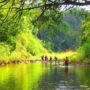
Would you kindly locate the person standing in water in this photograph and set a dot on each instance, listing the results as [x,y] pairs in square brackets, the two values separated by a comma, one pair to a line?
[42,58]
[66,61]
[56,60]
[50,59]
[46,59]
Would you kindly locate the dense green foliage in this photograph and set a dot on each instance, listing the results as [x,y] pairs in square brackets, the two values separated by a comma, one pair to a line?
[63,33]
[85,39]
[17,41]
[60,35]
[24,34]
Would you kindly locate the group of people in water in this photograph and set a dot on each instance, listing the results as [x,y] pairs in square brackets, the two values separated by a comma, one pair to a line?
[45,59]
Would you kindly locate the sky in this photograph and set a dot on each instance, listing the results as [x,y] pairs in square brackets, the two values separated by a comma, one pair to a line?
[86,7]
[63,8]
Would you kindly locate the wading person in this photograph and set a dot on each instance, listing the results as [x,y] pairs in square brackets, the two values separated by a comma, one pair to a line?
[50,59]
[56,60]
[66,61]
[42,58]
[46,59]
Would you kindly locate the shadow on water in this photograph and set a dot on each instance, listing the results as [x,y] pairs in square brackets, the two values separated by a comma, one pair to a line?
[37,76]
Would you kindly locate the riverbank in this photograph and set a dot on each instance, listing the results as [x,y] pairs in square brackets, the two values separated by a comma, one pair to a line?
[59,62]
[4,63]
[72,56]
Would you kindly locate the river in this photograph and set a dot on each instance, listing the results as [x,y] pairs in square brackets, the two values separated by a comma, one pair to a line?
[38,76]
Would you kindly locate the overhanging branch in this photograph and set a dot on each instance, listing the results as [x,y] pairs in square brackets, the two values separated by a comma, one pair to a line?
[54,3]
[48,4]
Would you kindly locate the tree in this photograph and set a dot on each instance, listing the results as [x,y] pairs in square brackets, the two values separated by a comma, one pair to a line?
[18,6]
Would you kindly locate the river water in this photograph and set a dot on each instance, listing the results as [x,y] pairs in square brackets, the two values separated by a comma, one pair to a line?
[38,76]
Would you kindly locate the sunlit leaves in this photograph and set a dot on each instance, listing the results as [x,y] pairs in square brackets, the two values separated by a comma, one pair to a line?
[86,31]
[86,37]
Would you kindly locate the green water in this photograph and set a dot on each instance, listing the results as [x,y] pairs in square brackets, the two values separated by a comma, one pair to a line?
[37,76]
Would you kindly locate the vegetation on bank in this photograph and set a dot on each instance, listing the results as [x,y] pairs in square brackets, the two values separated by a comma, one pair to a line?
[54,34]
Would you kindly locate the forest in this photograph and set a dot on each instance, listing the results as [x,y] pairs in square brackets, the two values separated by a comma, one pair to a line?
[44,44]
[28,33]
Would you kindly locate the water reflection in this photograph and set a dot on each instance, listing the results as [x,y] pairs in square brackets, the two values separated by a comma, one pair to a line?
[38,76]
[66,71]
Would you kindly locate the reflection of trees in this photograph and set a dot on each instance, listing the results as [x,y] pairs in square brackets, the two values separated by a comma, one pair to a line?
[84,75]
[49,80]
[35,77]
[66,71]
[57,77]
